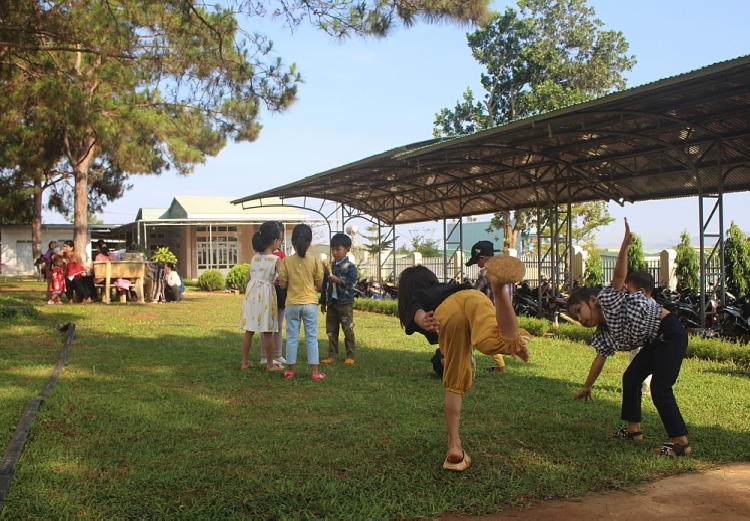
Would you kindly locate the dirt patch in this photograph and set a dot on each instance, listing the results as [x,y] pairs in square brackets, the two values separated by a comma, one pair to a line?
[722,493]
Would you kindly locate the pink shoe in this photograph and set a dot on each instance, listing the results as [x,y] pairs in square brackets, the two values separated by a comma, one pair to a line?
[289,374]
[319,376]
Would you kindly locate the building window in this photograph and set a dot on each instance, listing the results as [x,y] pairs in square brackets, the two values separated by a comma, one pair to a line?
[217,252]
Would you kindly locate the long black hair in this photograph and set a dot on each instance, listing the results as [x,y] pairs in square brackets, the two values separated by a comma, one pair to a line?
[266,234]
[581,296]
[410,282]
[301,239]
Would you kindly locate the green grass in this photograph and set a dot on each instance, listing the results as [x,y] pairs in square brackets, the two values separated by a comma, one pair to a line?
[153,418]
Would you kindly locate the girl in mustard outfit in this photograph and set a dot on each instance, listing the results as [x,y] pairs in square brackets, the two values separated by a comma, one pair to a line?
[459,319]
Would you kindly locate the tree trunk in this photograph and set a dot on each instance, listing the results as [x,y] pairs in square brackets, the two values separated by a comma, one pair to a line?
[81,191]
[507,231]
[36,219]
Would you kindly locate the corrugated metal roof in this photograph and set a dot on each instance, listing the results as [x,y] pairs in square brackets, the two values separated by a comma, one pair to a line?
[675,137]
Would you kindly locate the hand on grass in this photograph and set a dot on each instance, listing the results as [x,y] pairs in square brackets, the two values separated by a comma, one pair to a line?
[584,394]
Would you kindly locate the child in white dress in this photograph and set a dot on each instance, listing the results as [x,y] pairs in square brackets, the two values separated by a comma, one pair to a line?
[259,308]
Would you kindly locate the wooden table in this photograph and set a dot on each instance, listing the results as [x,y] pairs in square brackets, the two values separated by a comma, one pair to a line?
[135,272]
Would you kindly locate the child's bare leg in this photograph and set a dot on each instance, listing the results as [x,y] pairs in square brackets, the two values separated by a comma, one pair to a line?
[268,349]
[453,402]
[247,341]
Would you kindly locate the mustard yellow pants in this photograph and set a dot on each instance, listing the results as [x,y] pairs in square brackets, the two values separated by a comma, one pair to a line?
[467,319]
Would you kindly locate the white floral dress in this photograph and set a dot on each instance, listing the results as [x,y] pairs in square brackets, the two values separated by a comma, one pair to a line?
[259,309]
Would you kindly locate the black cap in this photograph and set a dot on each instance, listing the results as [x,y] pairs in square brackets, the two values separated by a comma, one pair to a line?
[481,248]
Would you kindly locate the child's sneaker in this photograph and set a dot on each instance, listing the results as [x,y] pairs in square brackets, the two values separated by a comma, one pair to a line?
[263,361]
[349,361]
[328,360]
[280,360]
[50,302]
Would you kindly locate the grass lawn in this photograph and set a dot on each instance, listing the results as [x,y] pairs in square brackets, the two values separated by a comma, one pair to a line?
[152,418]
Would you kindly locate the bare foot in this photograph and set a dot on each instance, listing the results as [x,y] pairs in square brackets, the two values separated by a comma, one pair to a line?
[247,366]
[455,455]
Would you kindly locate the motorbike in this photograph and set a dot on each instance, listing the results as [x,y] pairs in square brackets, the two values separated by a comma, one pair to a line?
[390,290]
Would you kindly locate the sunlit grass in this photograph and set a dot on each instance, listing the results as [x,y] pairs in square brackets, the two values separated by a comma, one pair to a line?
[153,418]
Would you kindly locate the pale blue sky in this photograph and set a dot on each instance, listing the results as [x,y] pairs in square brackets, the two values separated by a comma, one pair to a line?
[362,97]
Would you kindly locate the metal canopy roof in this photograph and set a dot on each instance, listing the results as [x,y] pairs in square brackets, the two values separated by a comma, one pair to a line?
[682,136]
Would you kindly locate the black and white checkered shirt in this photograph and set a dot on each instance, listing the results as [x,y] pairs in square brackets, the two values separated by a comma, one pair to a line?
[631,320]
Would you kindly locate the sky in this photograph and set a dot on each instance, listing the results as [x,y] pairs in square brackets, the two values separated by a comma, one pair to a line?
[363,97]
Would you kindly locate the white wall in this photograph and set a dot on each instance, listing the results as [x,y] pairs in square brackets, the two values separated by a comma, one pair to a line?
[16,252]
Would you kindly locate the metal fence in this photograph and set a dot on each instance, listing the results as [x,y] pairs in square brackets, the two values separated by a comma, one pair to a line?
[608,268]
[369,269]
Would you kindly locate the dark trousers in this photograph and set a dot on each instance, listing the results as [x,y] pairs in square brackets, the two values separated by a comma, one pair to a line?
[172,293]
[81,285]
[661,358]
[340,314]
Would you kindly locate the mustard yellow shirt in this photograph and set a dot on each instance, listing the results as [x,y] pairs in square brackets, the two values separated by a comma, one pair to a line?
[300,273]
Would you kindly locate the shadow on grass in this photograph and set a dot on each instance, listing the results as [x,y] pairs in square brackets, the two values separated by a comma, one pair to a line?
[160,420]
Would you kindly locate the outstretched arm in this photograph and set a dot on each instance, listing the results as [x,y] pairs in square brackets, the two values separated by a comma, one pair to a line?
[596,369]
[621,265]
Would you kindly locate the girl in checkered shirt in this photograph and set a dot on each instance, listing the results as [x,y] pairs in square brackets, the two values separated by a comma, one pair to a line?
[624,322]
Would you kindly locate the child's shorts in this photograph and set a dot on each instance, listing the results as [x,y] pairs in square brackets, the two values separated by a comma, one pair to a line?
[467,321]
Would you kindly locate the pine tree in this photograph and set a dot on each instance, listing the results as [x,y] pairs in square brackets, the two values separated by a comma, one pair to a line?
[686,264]
[635,255]
[737,261]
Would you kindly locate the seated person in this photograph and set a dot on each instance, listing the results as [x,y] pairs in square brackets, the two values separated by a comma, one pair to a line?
[172,291]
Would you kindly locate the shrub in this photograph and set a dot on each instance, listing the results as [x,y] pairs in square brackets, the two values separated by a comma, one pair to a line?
[719,350]
[237,277]
[17,312]
[388,307]
[594,273]
[535,326]
[211,280]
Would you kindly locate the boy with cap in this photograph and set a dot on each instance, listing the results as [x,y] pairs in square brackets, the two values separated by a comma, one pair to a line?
[481,252]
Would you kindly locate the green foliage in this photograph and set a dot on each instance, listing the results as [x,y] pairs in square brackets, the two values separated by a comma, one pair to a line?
[237,277]
[377,242]
[424,243]
[388,307]
[594,272]
[737,261]
[535,326]
[545,56]
[18,312]
[686,264]
[211,280]
[718,350]
[164,255]
[636,260]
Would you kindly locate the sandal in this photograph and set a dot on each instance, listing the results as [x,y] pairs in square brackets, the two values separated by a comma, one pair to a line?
[319,376]
[462,465]
[624,433]
[290,374]
[675,448]
[274,368]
